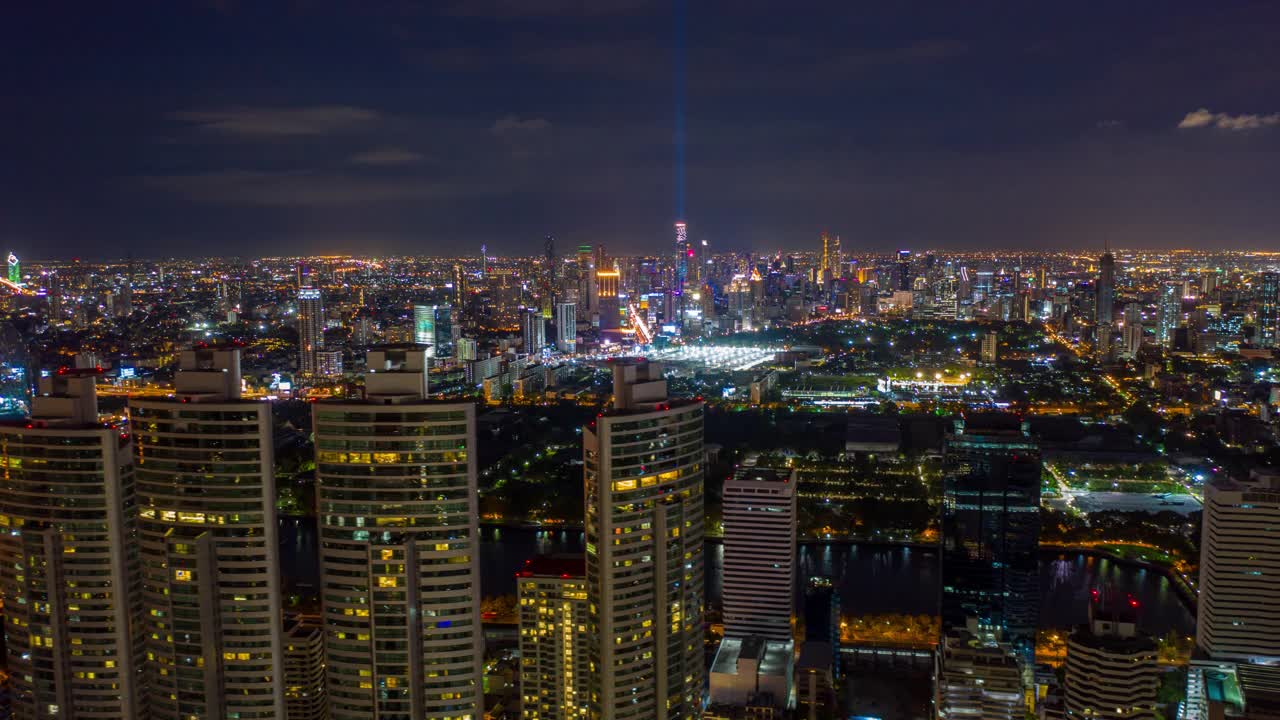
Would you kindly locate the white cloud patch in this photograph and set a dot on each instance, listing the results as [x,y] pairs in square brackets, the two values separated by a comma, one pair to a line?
[277,122]
[1203,118]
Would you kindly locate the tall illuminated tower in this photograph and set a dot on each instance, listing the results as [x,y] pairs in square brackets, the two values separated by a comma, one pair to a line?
[533,328]
[399,572]
[607,302]
[424,327]
[1106,291]
[825,262]
[1269,310]
[69,558]
[682,255]
[566,326]
[680,272]
[644,465]
[1168,312]
[209,546]
[310,329]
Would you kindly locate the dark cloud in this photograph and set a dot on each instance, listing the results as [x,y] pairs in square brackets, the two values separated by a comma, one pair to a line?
[526,9]
[277,121]
[299,189]
[514,124]
[387,157]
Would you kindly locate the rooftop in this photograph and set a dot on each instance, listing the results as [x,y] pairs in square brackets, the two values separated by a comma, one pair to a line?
[772,656]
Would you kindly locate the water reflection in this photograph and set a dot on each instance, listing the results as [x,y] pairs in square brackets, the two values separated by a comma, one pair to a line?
[872,579]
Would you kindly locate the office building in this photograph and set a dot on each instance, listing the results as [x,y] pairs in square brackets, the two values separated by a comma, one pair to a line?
[396,491]
[991,530]
[1133,330]
[610,308]
[821,610]
[905,279]
[534,330]
[1111,669]
[310,329]
[446,331]
[644,465]
[69,558]
[759,553]
[554,665]
[304,690]
[468,349]
[990,350]
[1105,293]
[1269,310]
[329,363]
[1168,312]
[209,546]
[433,329]
[977,676]
[566,327]
[1239,564]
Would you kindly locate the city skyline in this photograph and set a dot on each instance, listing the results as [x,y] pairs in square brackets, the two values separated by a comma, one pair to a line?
[614,360]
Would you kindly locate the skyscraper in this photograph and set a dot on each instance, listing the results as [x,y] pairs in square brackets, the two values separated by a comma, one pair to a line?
[209,547]
[1239,559]
[566,327]
[1104,302]
[443,327]
[534,330]
[69,558]
[310,329]
[607,285]
[1132,329]
[759,553]
[904,279]
[1269,310]
[682,254]
[424,327]
[554,664]
[830,251]
[991,530]
[1104,297]
[304,691]
[1168,312]
[644,531]
[399,573]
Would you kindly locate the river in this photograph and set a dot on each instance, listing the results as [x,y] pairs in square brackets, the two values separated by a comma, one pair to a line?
[872,578]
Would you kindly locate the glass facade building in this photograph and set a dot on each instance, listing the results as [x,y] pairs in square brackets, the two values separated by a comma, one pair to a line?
[991,530]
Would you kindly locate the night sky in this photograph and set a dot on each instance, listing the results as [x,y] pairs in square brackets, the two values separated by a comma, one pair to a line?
[259,128]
